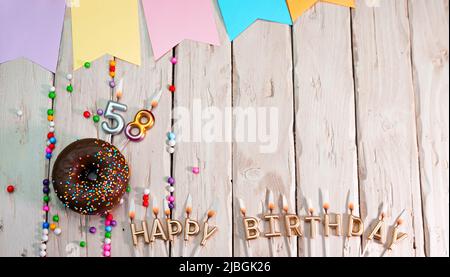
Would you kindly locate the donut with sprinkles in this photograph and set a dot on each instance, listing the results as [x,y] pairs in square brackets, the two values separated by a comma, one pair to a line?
[90,176]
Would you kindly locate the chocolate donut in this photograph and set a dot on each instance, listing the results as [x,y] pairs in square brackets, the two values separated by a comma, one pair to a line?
[90,176]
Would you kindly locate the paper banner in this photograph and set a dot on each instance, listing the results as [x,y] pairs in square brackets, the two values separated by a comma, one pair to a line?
[102,27]
[169,22]
[238,15]
[298,7]
[31,29]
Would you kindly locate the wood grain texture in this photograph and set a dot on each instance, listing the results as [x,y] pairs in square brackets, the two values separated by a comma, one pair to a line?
[262,77]
[203,82]
[430,65]
[325,122]
[91,91]
[23,163]
[386,133]
[148,160]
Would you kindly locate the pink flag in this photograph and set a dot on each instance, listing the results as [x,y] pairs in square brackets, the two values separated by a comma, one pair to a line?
[169,22]
[31,29]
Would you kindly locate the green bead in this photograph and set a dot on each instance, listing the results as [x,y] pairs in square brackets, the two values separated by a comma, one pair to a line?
[96,118]
[56,218]
[50,112]
[87,64]
[82,243]
[128,188]
[52,95]
[69,88]
[108,235]
[46,198]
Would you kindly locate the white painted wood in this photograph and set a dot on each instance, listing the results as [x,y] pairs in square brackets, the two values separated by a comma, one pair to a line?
[148,160]
[262,77]
[91,91]
[325,122]
[429,39]
[203,80]
[23,86]
[386,133]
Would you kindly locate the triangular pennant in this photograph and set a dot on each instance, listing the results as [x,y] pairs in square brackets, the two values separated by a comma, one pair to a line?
[299,7]
[31,29]
[169,22]
[238,15]
[102,27]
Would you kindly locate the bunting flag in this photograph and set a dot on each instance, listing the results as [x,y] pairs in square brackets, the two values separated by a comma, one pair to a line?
[102,27]
[238,15]
[31,29]
[169,22]
[298,7]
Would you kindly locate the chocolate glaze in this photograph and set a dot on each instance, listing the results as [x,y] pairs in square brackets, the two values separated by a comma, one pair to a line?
[90,176]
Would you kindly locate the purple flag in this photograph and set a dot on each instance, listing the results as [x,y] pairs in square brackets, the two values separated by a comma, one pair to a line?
[31,29]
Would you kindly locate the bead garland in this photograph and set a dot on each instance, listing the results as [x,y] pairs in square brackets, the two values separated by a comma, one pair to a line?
[51,142]
[171,190]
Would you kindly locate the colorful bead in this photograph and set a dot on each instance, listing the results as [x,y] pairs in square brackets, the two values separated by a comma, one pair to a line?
[112,68]
[53,140]
[100,112]
[46,208]
[87,114]
[173,60]
[112,84]
[50,135]
[46,190]
[48,156]
[113,223]
[56,218]
[107,247]
[48,150]
[82,243]
[107,241]
[112,63]
[44,238]
[42,254]
[171,205]
[69,88]
[57,231]
[146,192]
[69,76]
[50,112]
[45,225]
[52,89]
[170,149]
[171,136]
[52,226]
[109,217]
[108,228]
[172,88]
[46,198]
[50,118]
[171,189]
[96,118]
[19,113]
[92,230]
[112,74]
[87,65]
[195,170]
[172,143]
[171,198]
[171,180]
[43,246]
[10,189]
[106,253]
[107,222]
[45,231]
[128,188]
[51,95]
[108,235]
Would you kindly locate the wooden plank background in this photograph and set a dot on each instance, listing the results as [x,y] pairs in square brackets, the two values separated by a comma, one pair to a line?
[363,110]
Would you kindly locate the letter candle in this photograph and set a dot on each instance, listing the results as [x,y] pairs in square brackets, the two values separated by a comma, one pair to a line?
[271,207]
[378,231]
[285,210]
[397,236]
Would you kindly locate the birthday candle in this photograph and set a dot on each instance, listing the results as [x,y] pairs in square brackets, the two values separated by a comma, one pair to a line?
[285,204]
[242,206]
[309,205]
[166,207]
[155,207]
[271,201]
[326,199]
[132,209]
[189,204]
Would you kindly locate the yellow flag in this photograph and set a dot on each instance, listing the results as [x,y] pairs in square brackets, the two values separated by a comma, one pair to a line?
[298,7]
[102,27]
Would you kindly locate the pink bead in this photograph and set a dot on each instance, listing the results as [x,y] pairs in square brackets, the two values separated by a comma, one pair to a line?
[107,247]
[46,208]
[171,198]
[106,253]
[107,222]
[173,60]
[48,150]
[195,170]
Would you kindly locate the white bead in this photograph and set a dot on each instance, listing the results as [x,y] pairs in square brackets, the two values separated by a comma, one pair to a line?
[170,149]
[51,129]
[44,238]
[48,142]
[45,231]
[52,89]
[43,254]
[57,231]
[51,124]
[107,241]
[69,76]
[43,247]
[121,201]
[146,191]
[170,188]
[171,142]
[19,113]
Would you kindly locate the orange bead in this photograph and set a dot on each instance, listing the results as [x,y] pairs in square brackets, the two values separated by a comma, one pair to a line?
[112,74]
[52,226]
[50,118]
[112,63]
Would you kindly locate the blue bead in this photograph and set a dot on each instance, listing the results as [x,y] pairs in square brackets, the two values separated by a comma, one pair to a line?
[46,182]
[171,136]
[45,225]
[52,140]
[108,228]
[46,190]
[48,156]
